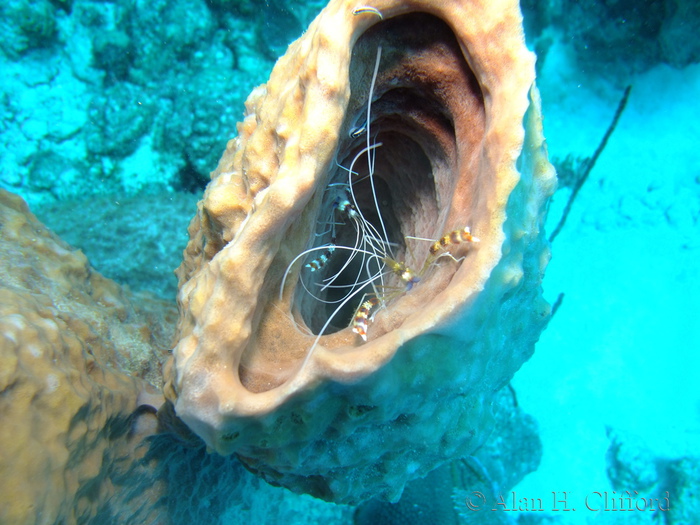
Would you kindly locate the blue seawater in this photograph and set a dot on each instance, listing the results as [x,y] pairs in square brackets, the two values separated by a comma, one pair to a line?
[115,112]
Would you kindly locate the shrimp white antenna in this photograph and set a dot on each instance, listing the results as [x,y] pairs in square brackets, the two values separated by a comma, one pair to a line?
[370,244]
[355,250]
[327,324]
[302,254]
[330,280]
[369,106]
[371,157]
[366,225]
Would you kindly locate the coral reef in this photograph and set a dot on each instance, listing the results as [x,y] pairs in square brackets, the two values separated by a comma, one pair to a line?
[117,119]
[679,30]
[455,141]
[113,53]
[143,242]
[635,471]
[27,25]
[620,38]
[683,475]
[150,90]
[630,465]
[185,25]
[198,60]
[440,498]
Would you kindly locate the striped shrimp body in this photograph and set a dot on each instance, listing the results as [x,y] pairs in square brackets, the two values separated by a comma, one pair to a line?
[345,207]
[454,238]
[444,246]
[402,271]
[362,317]
[322,259]
[438,248]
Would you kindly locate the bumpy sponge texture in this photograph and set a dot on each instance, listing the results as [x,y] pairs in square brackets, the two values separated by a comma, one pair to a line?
[70,340]
[256,372]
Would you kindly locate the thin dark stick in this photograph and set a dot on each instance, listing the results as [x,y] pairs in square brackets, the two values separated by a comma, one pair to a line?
[556,305]
[590,164]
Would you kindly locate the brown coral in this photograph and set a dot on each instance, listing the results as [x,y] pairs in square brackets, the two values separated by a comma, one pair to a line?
[282,381]
[74,353]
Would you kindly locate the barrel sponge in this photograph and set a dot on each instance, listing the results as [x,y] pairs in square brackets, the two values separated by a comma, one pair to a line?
[74,352]
[263,366]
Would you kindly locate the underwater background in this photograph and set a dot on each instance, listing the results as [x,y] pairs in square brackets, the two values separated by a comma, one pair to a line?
[114,113]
